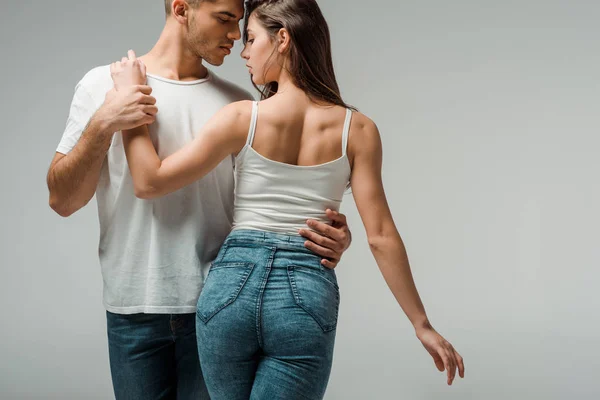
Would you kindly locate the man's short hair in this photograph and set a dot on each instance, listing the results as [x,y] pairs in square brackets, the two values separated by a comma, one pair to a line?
[168,3]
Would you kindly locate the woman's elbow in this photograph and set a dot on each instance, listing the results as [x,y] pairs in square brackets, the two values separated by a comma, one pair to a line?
[383,241]
[377,242]
[145,192]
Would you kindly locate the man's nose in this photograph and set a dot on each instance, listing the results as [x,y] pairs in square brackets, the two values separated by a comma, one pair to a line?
[236,34]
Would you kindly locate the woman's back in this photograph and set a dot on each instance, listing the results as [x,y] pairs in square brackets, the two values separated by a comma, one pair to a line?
[299,134]
[293,167]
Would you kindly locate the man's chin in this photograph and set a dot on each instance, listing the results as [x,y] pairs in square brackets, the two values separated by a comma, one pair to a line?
[215,61]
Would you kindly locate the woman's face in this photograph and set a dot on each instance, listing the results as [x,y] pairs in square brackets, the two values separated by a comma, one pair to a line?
[260,53]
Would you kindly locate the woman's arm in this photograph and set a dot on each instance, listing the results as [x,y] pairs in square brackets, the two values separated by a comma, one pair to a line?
[386,244]
[384,240]
[224,134]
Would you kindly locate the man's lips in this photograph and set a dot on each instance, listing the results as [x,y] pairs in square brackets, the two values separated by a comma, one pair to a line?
[227,48]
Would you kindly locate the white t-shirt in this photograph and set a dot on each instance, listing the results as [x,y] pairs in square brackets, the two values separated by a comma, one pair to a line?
[155,253]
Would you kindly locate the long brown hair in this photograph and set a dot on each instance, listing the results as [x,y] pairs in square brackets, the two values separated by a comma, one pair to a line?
[310,62]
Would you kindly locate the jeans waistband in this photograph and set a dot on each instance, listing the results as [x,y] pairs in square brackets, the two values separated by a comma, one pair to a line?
[268,238]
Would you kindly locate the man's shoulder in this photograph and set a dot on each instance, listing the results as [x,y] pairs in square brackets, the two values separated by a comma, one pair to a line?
[233,91]
[97,81]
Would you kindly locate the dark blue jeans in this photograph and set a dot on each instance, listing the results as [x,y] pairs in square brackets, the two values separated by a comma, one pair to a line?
[154,356]
[266,319]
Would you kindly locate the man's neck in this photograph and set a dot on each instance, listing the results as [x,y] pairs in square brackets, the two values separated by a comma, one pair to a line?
[170,58]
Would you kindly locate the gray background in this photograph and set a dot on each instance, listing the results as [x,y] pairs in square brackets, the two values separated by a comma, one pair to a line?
[489,116]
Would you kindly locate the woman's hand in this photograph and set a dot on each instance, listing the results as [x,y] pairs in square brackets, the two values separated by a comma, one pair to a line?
[128,72]
[444,355]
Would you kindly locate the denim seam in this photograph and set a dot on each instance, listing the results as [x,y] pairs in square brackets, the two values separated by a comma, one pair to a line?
[173,335]
[250,243]
[260,296]
[222,265]
[221,254]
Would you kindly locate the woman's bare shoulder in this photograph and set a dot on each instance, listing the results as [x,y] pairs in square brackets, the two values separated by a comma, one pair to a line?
[363,130]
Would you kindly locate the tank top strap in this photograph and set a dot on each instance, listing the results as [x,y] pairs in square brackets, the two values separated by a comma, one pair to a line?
[252,129]
[346,131]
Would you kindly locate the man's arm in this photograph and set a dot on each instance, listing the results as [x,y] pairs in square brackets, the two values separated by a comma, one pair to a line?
[72,179]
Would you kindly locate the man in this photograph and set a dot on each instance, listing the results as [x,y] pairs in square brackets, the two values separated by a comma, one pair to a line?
[155,253]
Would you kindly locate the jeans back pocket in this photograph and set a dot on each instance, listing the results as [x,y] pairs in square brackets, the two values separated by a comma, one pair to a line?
[316,293]
[223,284]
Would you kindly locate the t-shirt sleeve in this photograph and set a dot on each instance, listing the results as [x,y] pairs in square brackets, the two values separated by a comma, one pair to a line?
[82,109]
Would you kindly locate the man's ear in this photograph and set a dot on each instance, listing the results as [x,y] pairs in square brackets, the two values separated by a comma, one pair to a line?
[179,10]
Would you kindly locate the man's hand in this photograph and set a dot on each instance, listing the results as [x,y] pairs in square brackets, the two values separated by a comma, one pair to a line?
[329,241]
[127,108]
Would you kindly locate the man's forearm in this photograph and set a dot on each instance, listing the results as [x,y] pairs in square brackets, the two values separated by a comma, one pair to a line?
[72,180]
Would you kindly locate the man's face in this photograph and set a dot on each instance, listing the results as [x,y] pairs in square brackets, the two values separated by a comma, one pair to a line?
[213,27]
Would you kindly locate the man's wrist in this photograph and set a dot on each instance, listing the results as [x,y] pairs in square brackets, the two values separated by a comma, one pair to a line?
[103,123]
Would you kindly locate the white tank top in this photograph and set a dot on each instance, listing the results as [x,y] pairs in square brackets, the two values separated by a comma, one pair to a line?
[278,197]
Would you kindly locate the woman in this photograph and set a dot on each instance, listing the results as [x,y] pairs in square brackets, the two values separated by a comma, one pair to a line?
[267,315]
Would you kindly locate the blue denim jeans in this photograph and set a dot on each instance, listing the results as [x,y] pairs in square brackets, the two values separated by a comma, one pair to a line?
[266,319]
[154,356]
